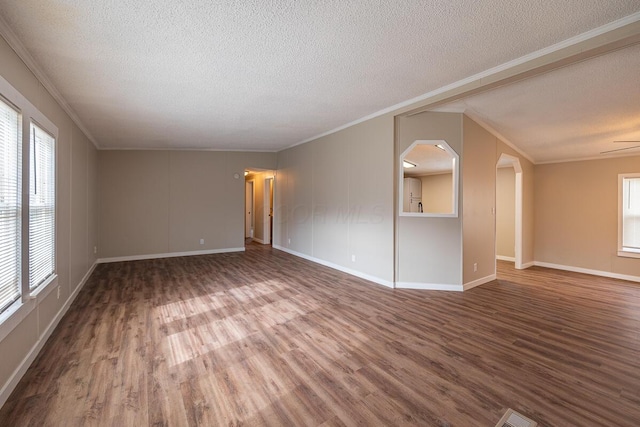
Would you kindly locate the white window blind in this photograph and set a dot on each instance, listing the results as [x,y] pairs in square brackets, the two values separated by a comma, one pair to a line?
[631,213]
[10,205]
[42,207]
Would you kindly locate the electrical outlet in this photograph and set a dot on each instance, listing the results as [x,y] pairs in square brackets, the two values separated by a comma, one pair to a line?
[353,258]
[475,266]
[289,241]
[202,241]
[58,292]
[95,249]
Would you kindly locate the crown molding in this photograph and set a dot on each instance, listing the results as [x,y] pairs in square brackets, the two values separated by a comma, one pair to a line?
[14,42]
[598,41]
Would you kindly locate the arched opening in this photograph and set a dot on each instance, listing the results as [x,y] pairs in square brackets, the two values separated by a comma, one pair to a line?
[509,209]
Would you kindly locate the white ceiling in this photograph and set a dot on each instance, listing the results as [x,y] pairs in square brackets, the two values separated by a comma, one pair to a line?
[429,160]
[571,113]
[255,75]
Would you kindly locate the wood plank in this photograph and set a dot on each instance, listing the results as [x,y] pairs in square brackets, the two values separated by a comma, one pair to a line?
[265,338]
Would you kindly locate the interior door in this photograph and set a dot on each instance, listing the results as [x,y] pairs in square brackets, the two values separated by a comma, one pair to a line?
[248,227]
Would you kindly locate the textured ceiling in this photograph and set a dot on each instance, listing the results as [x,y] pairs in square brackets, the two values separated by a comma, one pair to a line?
[262,75]
[429,160]
[571,113]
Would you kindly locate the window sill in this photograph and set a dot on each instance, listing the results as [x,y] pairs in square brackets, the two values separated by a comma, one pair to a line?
[20,309]
[14,315]
[629,253]
[45,288]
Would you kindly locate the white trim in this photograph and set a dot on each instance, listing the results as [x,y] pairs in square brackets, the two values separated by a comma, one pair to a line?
[622,250]
[478,80]
[19,372]
[261,241]
[7,33]
[478,282]
[626,153]
[505,258]
[478,119]
[167,255]
[45,288]
[250,180]
[455,174]
[14,315]
[628,253]
[518,209]
[601,273]
[234,150]
[267,209]
[527,265]
[355,273]
[429,286]
[519,213]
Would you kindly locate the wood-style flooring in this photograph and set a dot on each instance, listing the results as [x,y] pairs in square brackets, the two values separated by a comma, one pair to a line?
[265,338]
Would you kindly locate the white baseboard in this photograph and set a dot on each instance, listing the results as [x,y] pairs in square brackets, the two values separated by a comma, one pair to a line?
[17,375]
[505,258]
[168,255]
[527,265]
[478,282]
[356,273]
[260,241]
[429,286]
[601,273]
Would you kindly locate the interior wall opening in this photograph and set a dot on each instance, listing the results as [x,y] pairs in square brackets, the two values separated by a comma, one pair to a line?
[509,210]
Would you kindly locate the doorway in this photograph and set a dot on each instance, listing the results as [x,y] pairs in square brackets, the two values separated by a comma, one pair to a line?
[509,210]
[259,210]
[249,202]
[268,210]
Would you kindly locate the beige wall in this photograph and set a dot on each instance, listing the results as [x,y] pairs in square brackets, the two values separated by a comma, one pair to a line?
[437,193]
[576,216]
[163,202]
[76,218]
[429,249]
[333,199]
[505,212]
[478,201]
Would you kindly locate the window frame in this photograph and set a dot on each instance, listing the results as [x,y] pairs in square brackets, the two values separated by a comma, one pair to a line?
[623,251]
[50,276]
[18,195]
[15,313]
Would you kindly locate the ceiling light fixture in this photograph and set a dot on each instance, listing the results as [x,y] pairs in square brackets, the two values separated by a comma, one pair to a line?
[406,164]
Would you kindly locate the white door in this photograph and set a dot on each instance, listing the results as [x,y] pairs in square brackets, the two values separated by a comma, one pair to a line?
[248,227]
[268,210]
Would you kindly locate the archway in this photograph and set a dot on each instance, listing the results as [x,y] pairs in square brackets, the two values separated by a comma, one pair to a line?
[508,161]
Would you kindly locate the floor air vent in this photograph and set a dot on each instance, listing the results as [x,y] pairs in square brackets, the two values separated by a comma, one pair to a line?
[514,419]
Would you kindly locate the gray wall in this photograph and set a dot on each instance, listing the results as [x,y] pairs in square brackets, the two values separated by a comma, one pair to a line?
[333,199]
[429,250]
[164,202]
[76,218]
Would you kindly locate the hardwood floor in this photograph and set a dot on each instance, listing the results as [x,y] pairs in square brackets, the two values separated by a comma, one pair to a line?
[265,338]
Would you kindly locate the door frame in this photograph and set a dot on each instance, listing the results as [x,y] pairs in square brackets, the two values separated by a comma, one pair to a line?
[517,167]
[268,210]
[249,221]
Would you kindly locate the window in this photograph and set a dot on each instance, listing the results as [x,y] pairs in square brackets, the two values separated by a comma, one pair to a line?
[429,171]
[27,207]
[42,207]
[629,215]
[10,201]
